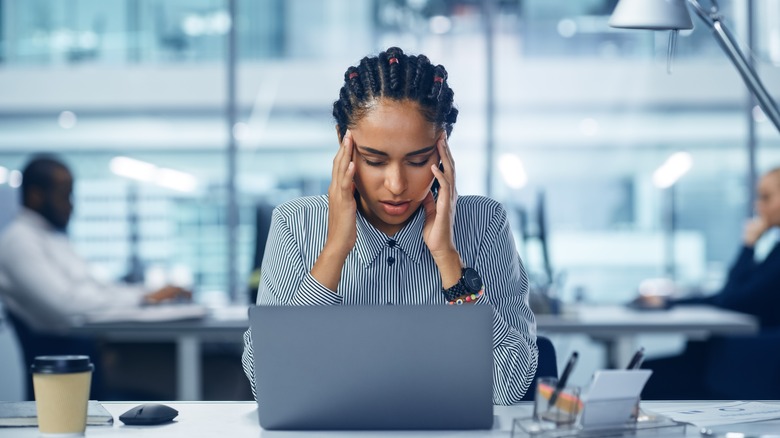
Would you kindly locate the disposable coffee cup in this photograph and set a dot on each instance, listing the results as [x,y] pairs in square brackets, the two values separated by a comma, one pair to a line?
[61,385]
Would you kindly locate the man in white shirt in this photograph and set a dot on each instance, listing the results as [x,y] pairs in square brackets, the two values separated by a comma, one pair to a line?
[44,284]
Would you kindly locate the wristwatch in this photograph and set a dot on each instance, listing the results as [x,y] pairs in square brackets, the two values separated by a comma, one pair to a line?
[470,283]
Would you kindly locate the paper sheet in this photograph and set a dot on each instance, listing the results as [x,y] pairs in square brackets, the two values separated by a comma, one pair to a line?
[161,312]
[724,413]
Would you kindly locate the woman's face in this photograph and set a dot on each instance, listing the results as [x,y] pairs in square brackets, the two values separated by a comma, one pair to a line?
[768,202]
[394,148]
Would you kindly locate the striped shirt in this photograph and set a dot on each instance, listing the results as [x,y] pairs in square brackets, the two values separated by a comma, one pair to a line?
[400,270]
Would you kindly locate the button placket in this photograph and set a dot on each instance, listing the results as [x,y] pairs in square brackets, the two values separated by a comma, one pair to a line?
[390,259]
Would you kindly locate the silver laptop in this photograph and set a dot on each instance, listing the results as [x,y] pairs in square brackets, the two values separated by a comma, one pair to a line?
[373,367]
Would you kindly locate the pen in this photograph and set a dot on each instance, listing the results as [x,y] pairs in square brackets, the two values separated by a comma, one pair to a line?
[636,360]
[562,381]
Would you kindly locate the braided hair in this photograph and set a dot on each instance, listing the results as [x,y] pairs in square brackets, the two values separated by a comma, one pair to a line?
[397,76]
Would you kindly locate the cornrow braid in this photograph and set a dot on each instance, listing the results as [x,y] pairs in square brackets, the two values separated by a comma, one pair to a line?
[351,79]
[395,75]
[369,76]
[439,76]
[395,66]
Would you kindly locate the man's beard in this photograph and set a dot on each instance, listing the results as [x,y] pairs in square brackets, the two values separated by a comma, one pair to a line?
[50,214]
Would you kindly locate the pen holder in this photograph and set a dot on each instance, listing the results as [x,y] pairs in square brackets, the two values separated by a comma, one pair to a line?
[563,409]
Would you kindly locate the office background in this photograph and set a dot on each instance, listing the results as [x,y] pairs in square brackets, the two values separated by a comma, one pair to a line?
[553,103]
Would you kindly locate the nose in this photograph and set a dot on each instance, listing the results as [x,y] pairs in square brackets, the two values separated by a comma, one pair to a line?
[395,180]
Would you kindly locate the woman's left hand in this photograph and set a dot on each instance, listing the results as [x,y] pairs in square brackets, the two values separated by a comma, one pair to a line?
[438,233]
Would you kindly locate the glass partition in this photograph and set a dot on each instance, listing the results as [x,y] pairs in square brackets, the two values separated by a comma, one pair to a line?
[585,115]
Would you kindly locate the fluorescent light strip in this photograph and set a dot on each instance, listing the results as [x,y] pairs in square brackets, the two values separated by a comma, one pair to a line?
[176,180]
[148,172]
[677,165]
[15,179]
[512,171]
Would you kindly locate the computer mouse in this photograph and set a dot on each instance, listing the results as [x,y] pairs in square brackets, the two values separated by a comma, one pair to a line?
[148,414]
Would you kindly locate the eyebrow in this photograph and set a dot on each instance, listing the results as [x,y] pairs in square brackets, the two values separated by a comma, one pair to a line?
[384,154]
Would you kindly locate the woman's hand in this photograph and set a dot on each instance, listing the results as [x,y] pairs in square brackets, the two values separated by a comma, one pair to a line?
[342,208]
[438,231]
[342,218]
[754,229]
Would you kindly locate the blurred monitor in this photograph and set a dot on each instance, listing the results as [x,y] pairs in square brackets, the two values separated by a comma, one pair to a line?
[263,213]
[534,233]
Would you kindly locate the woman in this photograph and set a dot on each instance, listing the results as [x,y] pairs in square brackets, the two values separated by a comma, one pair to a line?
[732,367]
[392,229]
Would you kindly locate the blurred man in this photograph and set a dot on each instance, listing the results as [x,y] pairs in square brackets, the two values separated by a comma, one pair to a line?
[752,287]
[45,286]
[43,281]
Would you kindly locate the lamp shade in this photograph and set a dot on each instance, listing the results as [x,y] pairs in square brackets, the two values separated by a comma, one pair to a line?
[651,14]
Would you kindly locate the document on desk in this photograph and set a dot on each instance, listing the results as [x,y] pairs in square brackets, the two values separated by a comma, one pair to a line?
[722,414]
[162,312]
[16,414]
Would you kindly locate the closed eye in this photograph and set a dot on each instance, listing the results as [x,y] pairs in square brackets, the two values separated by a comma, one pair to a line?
[415,163]
[420,163]
[372,163]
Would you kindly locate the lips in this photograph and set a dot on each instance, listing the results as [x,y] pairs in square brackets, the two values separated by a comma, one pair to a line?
[395,208]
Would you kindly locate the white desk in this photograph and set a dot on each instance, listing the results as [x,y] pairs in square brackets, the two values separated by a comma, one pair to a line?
[618,326]
[239,419]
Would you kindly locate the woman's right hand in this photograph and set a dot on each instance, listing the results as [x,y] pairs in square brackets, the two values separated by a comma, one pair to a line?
[342,208]
[754,229]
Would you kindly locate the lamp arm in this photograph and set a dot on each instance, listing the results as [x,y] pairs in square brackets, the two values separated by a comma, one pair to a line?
[729,45]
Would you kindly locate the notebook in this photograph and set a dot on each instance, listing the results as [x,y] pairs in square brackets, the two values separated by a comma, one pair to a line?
[14,414]
[373,367]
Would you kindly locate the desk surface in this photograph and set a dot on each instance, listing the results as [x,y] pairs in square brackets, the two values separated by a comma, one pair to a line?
[239,419]
[591,320]
[218,324]
[609,320]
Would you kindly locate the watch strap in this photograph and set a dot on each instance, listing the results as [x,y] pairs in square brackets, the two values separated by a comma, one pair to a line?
[459,289]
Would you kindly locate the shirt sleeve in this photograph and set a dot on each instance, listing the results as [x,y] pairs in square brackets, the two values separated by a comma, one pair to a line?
[247,361]
[515,356]
[53,295]
[284,280]
[750,287]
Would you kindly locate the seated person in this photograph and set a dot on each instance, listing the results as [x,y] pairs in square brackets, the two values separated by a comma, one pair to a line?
[392,229]
[45,286]
[752,287]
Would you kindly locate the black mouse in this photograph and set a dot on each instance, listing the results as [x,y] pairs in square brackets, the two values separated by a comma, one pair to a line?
[149,414]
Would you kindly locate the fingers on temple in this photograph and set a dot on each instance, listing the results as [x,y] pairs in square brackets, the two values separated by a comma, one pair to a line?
[343,157]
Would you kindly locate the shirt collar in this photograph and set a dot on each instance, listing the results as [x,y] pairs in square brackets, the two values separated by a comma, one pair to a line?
[35,219]
[370,241]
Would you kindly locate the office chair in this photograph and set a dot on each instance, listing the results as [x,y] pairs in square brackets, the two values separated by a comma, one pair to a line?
[12,373]
[34,343]
[547,367]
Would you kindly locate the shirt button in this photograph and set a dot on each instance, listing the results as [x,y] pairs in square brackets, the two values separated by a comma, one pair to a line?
[390,261]
[391,243]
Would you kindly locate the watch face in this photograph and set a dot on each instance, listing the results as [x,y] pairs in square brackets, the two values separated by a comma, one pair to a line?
[472,280]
